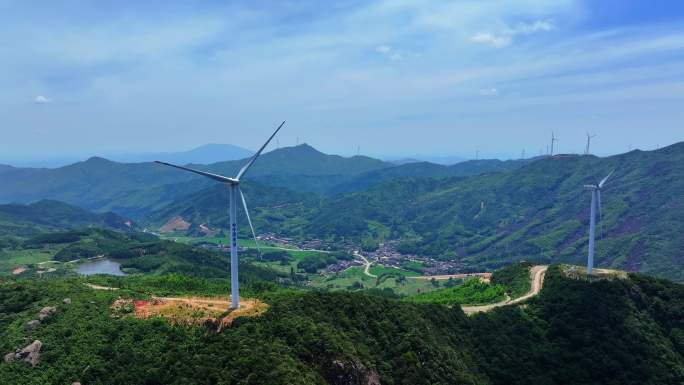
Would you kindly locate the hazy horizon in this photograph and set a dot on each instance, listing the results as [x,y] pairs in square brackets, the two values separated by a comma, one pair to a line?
[445,159]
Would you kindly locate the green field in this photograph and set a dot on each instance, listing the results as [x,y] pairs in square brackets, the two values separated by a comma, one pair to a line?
[380,270]
[11,259]
[354,276]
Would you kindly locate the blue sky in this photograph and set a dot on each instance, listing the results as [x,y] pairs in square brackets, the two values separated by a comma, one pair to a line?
[394,77]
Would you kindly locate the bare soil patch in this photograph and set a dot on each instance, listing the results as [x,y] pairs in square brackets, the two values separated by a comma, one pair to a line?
[175,224]
[190,311]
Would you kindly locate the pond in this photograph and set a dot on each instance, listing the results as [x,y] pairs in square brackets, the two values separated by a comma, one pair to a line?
[100,266]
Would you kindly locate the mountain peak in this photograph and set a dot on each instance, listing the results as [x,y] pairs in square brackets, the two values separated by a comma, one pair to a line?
[98,160]
[300,149]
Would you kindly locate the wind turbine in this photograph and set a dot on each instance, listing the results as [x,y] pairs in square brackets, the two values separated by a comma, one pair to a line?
[553,141]
[595,202]
[589,137]
[234,190]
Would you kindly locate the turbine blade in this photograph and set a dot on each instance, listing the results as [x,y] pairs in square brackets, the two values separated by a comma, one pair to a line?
[216,177]
[605,179]
[249,220]
[255,156]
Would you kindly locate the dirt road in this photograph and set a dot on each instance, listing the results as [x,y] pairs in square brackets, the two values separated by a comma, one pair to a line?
[536,276]
[367,263]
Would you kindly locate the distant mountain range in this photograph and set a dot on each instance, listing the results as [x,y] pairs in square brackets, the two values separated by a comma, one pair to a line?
[522,210]
[136,189]
[443,160]
[206,154]
[482,213]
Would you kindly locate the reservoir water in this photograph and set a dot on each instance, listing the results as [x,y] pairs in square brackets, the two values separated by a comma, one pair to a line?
[100,266]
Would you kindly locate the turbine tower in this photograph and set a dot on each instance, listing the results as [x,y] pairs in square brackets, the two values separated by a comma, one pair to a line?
[595,203]
[589,138]
[234,190]
[553,141]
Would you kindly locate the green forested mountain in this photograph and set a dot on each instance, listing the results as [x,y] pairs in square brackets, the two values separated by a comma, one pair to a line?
[537,212]
[98,184]
[426,169]
[49,215]
[622,331]
[271,208]
[135,189]
[533,210]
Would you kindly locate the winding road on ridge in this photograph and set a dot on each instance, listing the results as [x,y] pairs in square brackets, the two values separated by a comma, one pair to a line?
[537,274]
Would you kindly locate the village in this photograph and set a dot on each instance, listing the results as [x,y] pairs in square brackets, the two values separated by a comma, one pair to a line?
[386,255]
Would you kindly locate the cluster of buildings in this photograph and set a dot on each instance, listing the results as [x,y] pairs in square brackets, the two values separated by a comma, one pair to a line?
[388,255]
[310,244]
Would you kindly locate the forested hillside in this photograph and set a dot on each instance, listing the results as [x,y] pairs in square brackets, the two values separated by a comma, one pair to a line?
[622,331]
[539,212]
[47,215]
[136,189]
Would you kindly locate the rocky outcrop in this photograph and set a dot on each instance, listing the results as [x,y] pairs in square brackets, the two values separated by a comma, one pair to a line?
[29,354]
[9,358]
[32,325]
[66,301]
[46,313]
[351,372]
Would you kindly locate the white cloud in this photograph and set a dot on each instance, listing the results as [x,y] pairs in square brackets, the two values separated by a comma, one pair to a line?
[389,53]
[529,28]
[383,49]
[491,39]
[505,37]
[40,99]
[489,92]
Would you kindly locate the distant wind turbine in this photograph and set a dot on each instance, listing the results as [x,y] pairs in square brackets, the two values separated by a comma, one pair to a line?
[234,190]
[589,138]
[553,141]
[595,203]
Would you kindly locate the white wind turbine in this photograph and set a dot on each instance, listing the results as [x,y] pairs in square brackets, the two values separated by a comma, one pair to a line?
[595,202]
[233,189]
